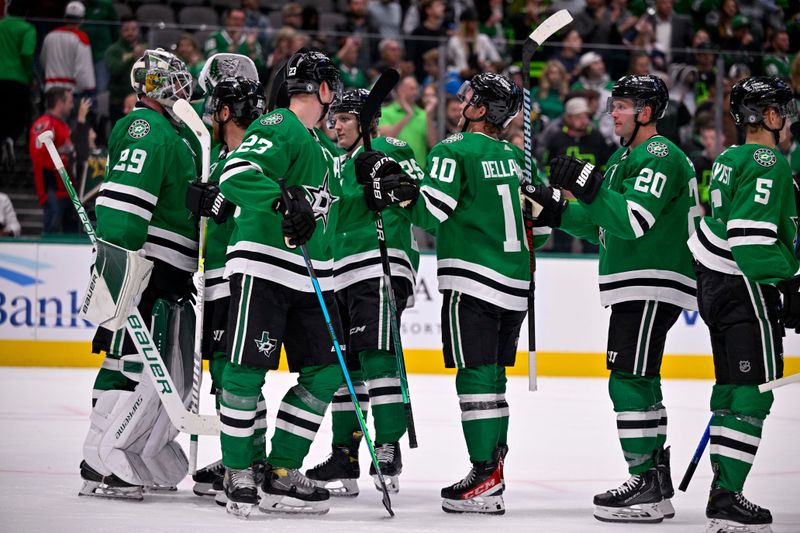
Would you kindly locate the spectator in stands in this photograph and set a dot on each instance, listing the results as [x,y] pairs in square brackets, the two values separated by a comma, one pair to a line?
[90,160]
[720,23]
[235,40]
[592,75]
[746,49]
[292,15]
[258,22]
[640,64]
[120,58]
[467,43]
[405,120]
[491,15]
[427,35]
[9,225]
[532,13]
[310,28]
[358,23]
[430,103]
[391,56]
[553,88]
[672,31]
[102,27]
[66,55]
[282,47]
[596,23]
[711,145]
[452,80]
[777,62]
[17,45]
[452,115]
[189,52]
[389,14]
[52,194]
[570,52]
[704,59]
[346,59]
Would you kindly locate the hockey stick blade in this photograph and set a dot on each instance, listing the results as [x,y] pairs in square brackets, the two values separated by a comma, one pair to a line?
[549,26]
[377,95]
[189,116]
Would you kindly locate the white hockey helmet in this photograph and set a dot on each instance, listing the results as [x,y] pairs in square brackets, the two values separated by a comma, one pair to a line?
[161,76]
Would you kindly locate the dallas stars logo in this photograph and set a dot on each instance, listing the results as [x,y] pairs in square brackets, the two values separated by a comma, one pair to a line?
[265,345]
[138,129]
[322,200]
[765,157]
[658,149]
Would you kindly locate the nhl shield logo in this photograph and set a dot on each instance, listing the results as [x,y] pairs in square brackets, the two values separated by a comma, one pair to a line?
[764,157]
[272,120]
[139,128]
[744,367]
[658,149]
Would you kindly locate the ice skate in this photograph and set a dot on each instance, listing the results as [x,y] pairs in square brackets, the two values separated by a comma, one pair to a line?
[665,482]
[500,456]
[636,500]
[241,492]
[479,492]
[98,485]
[731,512]
[338,473]
[205,477]
[286,490]
[391,465]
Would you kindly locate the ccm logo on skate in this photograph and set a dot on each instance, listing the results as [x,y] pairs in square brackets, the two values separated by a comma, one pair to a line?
[587,170]
[480,489]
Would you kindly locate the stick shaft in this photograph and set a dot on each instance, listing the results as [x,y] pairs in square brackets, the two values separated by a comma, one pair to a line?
[698,454]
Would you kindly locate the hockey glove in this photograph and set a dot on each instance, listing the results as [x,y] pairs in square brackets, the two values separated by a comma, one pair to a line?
[579,177]
[206,200]
[375,164]
[790,314]
[547,204]
[299,222]
[390,190]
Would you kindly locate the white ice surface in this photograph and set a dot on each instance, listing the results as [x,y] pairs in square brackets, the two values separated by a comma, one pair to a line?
[563,450]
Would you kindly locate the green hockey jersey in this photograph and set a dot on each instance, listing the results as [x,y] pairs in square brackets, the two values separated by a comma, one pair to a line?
[356,253]
[275,146]
[754,218]
[642,217]
[470,199]
[217,237]
[142,202]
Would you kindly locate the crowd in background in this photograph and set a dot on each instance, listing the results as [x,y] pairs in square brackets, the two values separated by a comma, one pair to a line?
[69,63]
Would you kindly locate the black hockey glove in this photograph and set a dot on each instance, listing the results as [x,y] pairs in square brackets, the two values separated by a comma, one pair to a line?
[790,314]
[299,222]
[547,204]
[375,164]
[390,190]
[579,177]
[206,200]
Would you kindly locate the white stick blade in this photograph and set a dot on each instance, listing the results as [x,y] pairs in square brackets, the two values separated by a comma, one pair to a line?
[550,25]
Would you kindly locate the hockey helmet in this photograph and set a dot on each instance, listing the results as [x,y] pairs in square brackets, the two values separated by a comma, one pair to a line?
[642,91]
[244,97]
[160,75]
[352,101]
[306,70]
[501,96]
[750,97]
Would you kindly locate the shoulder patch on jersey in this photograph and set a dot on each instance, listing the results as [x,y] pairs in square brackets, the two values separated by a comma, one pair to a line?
[658,149]
[395,142]
[272,120]
[765,157]
[139,128]
[453,138]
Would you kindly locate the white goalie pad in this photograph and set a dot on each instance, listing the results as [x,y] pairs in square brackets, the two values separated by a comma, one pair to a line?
[118,279]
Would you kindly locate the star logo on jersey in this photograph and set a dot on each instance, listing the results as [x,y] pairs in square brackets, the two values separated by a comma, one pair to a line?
[453,138]
[658,149]
[139,128]
[765,157]
[322,200]
[272,120]
[395,142]
[265,344]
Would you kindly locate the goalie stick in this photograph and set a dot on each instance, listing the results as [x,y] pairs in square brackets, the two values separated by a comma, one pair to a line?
[155,369]
[543,31]
[188,116]
[377,95]
[387,502]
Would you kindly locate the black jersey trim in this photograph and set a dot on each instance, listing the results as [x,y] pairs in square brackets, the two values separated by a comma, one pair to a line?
[648,282]
[752,232]
[384,391]
[483,280]
[708,245]
[371,261]
[641,220]
[728,442]
[276,262]
[172,245]
[128,199]
[638,424]
[219,280]
[297,421]
[236,422]
[438,204]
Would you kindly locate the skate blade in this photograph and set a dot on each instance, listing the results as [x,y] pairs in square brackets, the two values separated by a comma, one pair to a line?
[221,498]
[99,490]
[645,513]
[492,505]
[716,525]
[239,509]
[205,489]
[392,484]
[271,503]
[666,508]
[161,488]
[347,488]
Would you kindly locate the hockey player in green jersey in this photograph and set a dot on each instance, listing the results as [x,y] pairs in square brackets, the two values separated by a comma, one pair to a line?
[233,105]
[641,214]
[742,250]
[140,212]
[271,293]
[470,201]
[363,307]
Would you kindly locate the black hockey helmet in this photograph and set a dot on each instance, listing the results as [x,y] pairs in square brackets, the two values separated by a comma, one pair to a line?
[244,97]
[750,97]
[642,90]
[306,70]
[501,96]
[352,101]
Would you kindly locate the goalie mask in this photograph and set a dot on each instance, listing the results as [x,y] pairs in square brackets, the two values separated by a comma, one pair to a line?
[160,75]
[501,96]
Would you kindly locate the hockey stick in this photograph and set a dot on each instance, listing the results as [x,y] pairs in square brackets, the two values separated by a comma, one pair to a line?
[698,454]
[377,95]
[543,31]
[274,86]
[182,419]
[774,384]
[359,413]
[187,114]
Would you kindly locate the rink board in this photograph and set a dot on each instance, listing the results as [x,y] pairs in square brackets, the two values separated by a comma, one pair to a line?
[42,285]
